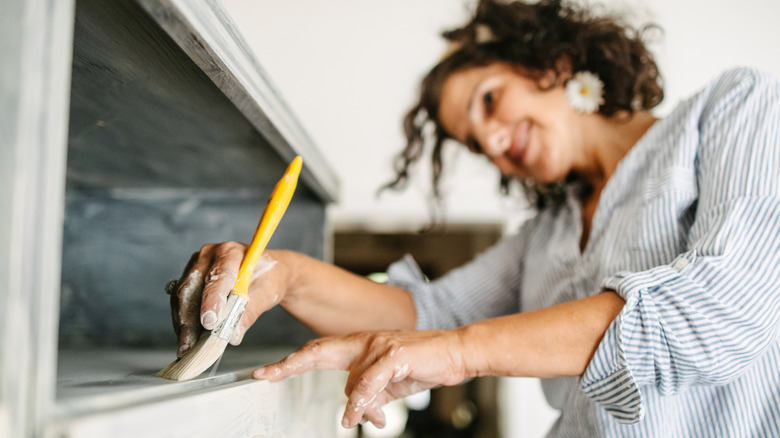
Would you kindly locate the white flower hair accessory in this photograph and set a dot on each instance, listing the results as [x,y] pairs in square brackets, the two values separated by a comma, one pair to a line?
[585,92]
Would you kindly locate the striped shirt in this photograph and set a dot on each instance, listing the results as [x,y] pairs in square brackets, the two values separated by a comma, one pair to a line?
[687,231]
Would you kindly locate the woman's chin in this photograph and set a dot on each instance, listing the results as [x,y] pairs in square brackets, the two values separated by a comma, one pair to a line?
[547,176]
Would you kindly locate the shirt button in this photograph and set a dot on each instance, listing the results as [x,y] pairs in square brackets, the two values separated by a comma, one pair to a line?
[680,264]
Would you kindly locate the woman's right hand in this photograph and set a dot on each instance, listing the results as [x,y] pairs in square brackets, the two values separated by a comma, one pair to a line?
[199,296]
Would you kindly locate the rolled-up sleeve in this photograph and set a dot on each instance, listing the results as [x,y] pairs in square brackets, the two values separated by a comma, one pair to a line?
[704,318]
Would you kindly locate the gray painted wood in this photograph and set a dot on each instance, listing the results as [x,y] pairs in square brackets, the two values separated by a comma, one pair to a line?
[160,154]
[35,40]
[122,246]
[160,161]
[143,115]
[208,35]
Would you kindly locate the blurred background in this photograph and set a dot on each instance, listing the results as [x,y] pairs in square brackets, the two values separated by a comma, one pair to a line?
[349,70]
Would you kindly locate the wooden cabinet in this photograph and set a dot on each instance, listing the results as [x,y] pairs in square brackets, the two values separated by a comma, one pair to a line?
[135,131]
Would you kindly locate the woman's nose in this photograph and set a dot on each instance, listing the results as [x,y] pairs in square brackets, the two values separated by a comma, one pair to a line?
[496,141]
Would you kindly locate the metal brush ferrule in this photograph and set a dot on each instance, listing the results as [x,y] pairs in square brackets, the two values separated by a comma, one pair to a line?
[234,308]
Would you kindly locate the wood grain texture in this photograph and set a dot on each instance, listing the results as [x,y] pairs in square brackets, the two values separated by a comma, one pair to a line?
[35,40]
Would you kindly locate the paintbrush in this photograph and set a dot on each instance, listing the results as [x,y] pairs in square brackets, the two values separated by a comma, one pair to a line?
[212,344]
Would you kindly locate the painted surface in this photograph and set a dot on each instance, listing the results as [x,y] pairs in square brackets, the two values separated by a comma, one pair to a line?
[144,116]
[35,39]
[120,248]
[207,34]
[160,161]
[120,397]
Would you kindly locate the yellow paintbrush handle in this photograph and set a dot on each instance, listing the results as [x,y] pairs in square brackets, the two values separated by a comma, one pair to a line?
[274,210]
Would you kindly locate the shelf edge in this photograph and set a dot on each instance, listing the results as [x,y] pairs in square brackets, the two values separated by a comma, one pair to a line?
[207,34]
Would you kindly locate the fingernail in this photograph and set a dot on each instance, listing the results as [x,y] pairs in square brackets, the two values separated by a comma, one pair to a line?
[171,286]
[237,336]
[345,423]
[183,349]
[208,320]
[381,421]
[258,373]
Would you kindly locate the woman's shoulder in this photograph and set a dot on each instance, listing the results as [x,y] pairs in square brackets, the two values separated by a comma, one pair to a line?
[735,86]
[741,75]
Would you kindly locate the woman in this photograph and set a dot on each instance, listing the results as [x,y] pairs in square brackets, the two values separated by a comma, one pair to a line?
[643,292]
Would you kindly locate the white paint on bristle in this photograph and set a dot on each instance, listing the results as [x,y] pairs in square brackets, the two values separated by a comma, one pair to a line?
[205,352]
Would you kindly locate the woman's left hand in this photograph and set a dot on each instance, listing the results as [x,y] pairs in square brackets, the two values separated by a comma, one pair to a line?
[382,366]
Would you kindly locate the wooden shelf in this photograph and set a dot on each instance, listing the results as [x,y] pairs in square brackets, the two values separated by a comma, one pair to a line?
[137,131]
[113,392]
[105,379]
[207,34]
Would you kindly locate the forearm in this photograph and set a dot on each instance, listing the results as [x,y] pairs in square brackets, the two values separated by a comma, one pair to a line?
[333,301]
[550,342]
[555,341]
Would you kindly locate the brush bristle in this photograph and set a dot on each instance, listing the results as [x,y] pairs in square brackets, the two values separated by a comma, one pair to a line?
[205,352]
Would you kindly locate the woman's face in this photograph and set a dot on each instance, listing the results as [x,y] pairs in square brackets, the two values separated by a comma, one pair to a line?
[524,130]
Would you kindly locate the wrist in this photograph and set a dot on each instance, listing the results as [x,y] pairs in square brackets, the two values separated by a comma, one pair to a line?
[471,341]
[290,265]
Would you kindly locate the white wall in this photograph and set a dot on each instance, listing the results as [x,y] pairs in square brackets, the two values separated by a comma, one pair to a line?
[349,70]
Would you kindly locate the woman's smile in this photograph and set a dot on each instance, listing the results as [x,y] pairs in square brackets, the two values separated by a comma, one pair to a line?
[518,151]
[525,130]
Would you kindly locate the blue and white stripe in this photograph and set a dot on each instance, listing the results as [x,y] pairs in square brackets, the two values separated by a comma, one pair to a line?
[688,232]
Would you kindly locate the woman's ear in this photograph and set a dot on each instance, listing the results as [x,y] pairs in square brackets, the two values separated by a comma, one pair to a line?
[562,70]
[558,75]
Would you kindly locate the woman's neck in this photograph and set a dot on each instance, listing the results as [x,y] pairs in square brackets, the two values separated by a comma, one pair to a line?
[612,139]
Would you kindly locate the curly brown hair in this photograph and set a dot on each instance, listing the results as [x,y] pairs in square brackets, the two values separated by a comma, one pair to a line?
[534,37]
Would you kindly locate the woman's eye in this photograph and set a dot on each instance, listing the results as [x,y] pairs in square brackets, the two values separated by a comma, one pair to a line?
[488,101]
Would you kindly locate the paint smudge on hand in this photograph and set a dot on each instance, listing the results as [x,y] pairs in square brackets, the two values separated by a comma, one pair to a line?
[264,264]
[209,320]
[237,336]
[401,372]
[192,287]
[213,276]
[189,309]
